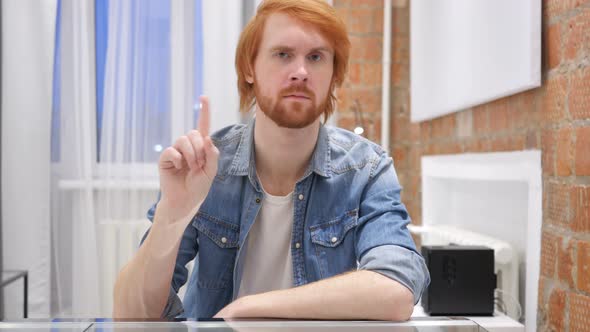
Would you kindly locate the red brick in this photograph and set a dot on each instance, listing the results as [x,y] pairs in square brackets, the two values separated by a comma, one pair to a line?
[548,147]
[346,121]
[366,48]
[375,133]
[343,13]
[579,307]
[400,98]
[553,104]
[414,211]
[400,49]
[448,148]
[532,140]
[565,153]
[498,115]
[369,99]
[480,119]
[399,129]
[528,99]
[477,145]
[400,157]
[583,282]
[374,48]
[582,151]
[371,74]
[553,45]
[361,20]
[366,3]
[415,159]
[354,73]
[425,131]
[556,310]
[414,131]
[377,21]
[401,22]
[400,74]
[578,37]
[565,263]
[513,142]
[341,3]
[343,97]
[549,245]
[553,8]
[557,203]
[412,187]
[579,99]
[444,127]
[519,117]
[580,208]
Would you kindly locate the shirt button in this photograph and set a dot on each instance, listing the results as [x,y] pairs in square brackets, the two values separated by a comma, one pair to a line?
[300,197]
[223,240]
[297,245]
[258,200]
[334,239]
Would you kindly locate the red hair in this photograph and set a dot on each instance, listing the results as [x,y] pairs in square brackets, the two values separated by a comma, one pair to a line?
[316,13]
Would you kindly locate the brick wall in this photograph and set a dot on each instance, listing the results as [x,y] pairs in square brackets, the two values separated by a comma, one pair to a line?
[554,118]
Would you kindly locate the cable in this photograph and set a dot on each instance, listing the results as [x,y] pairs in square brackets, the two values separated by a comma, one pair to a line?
[510,297]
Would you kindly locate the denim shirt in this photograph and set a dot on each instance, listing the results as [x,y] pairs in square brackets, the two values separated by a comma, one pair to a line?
[347,216]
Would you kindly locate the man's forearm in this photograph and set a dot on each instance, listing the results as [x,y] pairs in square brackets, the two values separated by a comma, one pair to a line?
[356,295]
[143,285]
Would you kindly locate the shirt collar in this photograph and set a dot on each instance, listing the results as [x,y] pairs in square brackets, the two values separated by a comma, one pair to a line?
[243,162]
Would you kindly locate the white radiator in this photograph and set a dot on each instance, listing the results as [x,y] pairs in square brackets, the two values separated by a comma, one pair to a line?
[505,257]
[118,240]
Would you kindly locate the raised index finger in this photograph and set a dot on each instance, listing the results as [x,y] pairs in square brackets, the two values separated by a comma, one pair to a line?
[203,123]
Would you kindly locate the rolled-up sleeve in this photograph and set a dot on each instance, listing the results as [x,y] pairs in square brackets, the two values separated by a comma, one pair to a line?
[383,241]
[399,264]
[173,306]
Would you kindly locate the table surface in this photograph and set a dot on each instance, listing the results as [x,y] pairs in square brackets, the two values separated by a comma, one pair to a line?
[431,324]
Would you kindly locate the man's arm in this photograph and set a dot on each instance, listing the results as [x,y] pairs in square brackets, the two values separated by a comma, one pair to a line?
[187,170]
[354,295]
[143,285]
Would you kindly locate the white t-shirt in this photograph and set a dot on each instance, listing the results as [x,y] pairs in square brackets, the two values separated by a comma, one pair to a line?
[268,265]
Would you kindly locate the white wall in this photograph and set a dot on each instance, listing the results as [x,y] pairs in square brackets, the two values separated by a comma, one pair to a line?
[28,31]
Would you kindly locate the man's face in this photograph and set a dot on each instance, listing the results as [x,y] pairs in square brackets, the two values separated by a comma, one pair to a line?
[292,72]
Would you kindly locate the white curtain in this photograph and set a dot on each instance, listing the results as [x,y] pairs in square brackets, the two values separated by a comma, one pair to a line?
[28,28]
[105,177]
[75,272]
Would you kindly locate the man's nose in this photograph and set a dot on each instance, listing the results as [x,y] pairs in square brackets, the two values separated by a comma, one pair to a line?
[299,72]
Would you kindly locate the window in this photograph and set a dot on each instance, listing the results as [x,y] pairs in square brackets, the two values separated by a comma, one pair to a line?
[133,76]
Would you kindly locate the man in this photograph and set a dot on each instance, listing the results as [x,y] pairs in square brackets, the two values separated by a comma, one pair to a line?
[284,217]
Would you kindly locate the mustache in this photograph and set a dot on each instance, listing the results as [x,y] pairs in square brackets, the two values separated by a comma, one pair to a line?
[297,88]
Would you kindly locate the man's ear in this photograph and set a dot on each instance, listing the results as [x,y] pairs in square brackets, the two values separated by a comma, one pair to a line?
[249,75]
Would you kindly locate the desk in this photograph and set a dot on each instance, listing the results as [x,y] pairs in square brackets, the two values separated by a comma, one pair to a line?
[496,323]
[441,324]
[9,277]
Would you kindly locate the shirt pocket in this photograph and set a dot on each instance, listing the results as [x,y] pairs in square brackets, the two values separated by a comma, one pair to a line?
[333,243]
[218,244]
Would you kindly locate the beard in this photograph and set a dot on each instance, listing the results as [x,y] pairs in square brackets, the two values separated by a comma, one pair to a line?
[291,114]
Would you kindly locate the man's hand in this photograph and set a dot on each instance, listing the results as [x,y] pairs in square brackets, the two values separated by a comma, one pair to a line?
[187,170]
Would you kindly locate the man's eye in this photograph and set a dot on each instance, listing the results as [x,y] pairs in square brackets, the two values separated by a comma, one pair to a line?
[282,55]
[315,57]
